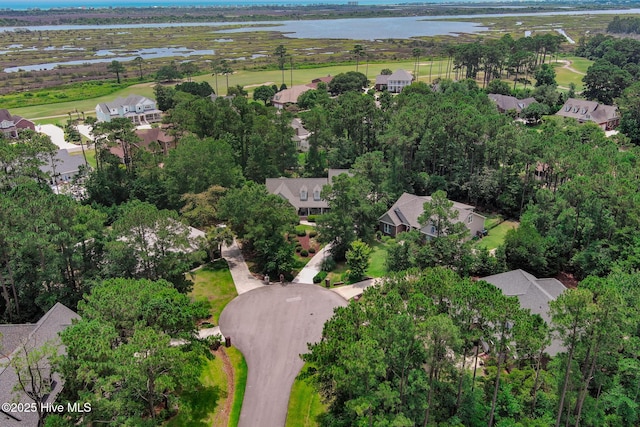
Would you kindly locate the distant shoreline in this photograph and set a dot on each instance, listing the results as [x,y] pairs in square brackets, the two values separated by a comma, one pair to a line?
[253,10]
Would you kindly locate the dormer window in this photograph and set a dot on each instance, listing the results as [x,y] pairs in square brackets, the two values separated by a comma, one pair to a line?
[316,194]
[470,219]
[304,194]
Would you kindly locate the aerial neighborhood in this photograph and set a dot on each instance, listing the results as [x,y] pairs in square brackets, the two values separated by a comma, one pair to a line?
[252,227]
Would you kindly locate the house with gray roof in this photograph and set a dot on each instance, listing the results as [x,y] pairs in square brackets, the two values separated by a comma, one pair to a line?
[301,135]
[304,194]
[64,167]
[403,216]
[506,103]
[14,340]
[533,293]
[605,116]
[398,80]
[139,109]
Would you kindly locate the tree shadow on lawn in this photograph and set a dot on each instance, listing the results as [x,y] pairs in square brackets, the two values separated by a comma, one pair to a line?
[197,407]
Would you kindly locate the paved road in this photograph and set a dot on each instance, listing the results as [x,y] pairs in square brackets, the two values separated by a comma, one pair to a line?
[271,326]
[242,277]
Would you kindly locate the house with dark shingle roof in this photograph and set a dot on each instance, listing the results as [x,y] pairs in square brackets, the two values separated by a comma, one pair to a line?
[304,194]
[605,116]
[533,293]
[506,103]
[137,108]
[9,125]
[15,338]
[403,216]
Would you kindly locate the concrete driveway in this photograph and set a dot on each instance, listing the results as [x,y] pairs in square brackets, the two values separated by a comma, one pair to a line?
[271,326]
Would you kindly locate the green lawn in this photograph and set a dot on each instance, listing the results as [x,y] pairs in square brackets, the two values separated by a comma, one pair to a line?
[204,401]
[377,260]
[247,78]
[304,404]
[214,283]
[240,380]
[496,235]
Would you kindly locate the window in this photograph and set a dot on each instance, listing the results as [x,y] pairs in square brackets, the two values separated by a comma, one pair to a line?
[386,228]
[316,195]
[470,219]
[303,194]
[434,230]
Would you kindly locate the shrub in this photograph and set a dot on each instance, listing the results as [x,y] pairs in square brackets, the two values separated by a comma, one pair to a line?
[298,248]
[328,264]
[313,233]
[304,253]
[301,233]
[318,278]
[312,250]
[311,218]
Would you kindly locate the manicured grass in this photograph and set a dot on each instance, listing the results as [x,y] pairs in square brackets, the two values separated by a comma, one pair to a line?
[87,105]
[251,78]
[564,77]
[214,283]
[305,404]
[377,260]
[496,235]
[580,64]
[204,401]
[91,157]
[240,380]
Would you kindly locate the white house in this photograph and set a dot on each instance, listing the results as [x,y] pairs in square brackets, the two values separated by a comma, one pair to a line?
[398,80]
[139,109]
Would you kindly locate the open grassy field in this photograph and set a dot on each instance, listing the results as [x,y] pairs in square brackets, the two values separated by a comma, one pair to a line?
[247,78]
[429,70]
[214,284]
[304,404]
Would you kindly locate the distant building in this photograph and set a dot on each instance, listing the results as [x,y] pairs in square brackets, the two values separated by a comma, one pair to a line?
[605,116]
[506,103]
[403,216]
[154,140]
[139,109]
[304,194]
[399,80]
[533,294]
[13,339]
[381,82]
[290,95]
[301,135]
[10,125]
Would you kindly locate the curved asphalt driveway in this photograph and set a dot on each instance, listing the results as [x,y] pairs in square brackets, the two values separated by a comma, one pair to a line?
[272,325]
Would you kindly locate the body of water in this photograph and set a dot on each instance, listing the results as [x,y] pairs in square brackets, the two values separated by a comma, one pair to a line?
[353,28]
[51,4]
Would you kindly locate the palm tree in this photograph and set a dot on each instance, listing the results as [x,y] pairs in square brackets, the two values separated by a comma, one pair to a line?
[215,238]
[416,54]
[116,67]
[358,52]
[139,61]
[226,69]
[216,68]
[281,54]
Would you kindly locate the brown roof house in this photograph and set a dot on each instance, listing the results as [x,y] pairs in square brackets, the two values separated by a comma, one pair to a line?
[510,103]
[304,194]
[533,294]
[14,341]
[9,125]
[605,116]
[403,216]
[290,96]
